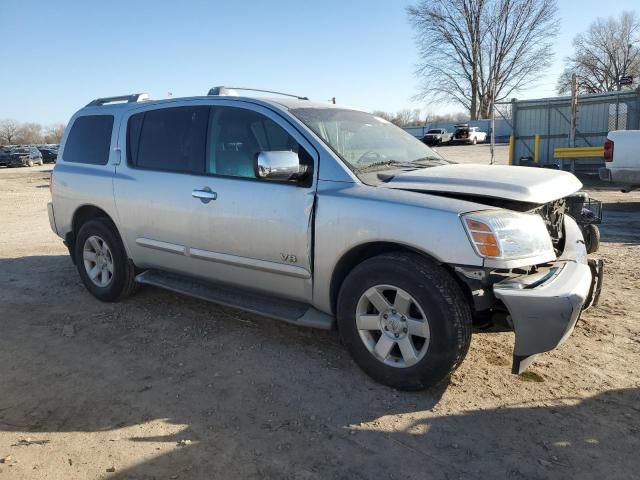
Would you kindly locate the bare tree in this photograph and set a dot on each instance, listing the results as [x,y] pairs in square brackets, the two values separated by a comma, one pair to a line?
[475,52]
[385,115]
[29,133]
[446,117]
[9,131]
[53,133]
[606,52]
[403,118]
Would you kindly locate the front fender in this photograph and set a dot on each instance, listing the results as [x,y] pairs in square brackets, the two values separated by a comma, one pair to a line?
[351,215]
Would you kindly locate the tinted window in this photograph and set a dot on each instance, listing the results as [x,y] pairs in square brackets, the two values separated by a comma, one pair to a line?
[89,140]
[236,136]
[169,139]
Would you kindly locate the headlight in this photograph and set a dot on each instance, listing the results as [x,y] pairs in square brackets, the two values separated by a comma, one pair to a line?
[507,235]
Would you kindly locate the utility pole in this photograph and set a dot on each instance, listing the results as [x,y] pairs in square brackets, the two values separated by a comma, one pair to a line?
[493,121]
[574,110]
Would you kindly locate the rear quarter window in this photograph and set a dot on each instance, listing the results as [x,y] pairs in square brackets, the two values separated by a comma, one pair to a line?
[89,140]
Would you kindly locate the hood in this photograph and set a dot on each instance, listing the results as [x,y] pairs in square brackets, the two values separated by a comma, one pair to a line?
[522,184]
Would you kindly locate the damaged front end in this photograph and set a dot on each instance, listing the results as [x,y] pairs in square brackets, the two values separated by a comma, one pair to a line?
[545,306]
[542,302]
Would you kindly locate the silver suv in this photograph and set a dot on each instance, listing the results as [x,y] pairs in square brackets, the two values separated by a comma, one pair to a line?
[325,217]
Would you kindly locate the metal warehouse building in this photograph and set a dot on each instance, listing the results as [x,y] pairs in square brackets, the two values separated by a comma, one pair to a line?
[542,126]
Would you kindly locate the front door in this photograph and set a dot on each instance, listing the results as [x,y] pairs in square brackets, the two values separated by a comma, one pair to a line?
[250,232]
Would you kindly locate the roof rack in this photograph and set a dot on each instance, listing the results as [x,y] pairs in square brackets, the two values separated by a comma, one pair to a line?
[133,98]
[230,91]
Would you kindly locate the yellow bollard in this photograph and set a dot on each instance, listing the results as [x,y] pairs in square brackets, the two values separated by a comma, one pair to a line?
[511,145]
[536,149]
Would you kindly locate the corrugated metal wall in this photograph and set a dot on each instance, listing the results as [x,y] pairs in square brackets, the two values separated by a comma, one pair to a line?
[551,119]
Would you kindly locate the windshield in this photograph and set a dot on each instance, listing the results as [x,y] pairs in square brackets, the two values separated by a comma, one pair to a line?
[434,131]
[365,142]
[20,150]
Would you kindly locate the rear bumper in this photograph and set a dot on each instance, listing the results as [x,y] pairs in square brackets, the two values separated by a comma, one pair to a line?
[544,307]
[52,218]
[621,176]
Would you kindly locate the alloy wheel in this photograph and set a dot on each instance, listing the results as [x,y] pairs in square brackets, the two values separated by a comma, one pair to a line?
[98,261]
[392,326]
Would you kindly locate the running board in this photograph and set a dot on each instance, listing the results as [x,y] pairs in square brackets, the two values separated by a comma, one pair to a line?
[288,311]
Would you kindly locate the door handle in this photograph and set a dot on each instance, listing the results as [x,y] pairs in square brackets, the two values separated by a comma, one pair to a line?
[204,194]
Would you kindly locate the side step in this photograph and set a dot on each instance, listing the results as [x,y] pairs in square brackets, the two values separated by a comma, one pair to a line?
[288,311]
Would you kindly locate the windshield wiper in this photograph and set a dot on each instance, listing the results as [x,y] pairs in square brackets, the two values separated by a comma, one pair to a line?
[386,163]
[430,159]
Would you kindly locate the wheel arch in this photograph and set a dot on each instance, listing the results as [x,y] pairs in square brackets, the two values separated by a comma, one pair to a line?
[359,254]
[81,216]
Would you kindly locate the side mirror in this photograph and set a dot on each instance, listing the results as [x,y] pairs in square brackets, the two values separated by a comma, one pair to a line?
[280,166]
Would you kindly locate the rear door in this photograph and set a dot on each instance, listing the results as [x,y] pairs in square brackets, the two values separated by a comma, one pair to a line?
[162,158]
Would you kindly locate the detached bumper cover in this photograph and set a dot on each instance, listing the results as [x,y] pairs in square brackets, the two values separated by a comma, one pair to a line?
[544,307]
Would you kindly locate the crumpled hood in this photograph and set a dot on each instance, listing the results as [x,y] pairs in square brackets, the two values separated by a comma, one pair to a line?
[523,184]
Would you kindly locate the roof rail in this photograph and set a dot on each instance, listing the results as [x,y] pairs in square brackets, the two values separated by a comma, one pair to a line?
[230,91]
[133,98]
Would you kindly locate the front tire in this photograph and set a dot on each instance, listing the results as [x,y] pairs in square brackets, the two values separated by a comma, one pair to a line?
[102,261]
[30,163]
[591,235]
[404,320]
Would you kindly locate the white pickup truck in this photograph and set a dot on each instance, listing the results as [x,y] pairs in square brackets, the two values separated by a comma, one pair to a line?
[622,157]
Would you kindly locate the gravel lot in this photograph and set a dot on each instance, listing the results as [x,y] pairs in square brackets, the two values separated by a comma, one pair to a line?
[480,153]
[164,386]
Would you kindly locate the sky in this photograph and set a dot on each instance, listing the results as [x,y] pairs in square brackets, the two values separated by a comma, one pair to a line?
[56,56]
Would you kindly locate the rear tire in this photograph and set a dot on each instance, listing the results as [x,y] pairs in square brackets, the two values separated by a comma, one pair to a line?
[419,336]
[102,261]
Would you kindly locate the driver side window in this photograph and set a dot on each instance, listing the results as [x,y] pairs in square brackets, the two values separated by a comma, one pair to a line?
[236,136]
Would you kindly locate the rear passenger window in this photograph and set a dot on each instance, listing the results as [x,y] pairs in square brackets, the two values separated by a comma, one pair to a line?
[89,140]
[170,139]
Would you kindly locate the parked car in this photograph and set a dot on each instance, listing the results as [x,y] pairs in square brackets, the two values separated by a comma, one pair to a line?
[437,136]
[5,154]
[25,157]
[49,154]
[321,216]
[622,159]
[466,134]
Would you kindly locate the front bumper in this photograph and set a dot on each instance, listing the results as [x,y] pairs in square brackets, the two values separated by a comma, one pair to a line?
[544,307]
[18,161]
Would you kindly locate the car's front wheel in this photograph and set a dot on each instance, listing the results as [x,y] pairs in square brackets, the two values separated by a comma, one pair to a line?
[404,320]
[102,261]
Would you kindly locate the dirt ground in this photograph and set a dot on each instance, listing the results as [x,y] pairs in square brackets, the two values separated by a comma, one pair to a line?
[168,387]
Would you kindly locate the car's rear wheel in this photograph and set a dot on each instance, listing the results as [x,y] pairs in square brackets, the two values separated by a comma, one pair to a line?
[102,261]
[404,320]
